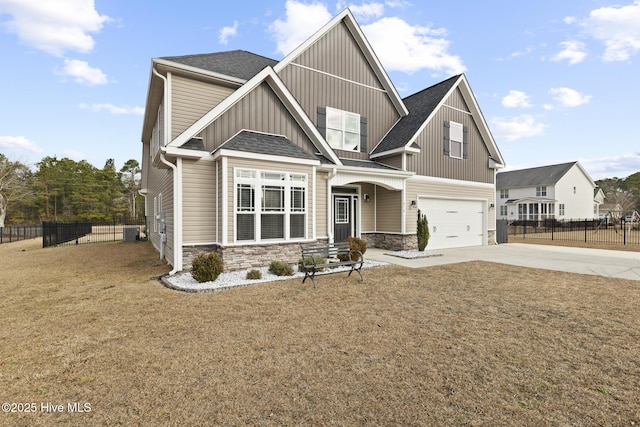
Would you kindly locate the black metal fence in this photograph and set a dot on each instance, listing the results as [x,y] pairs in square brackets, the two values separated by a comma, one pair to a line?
[75,233]
[14,233]
[588,230]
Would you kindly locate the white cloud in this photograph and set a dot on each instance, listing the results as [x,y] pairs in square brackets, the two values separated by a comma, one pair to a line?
[516,99]
[617,27]
[302,20]
[82,73]
[54,26]
[607,167]
[112,109]
[407,48]
[18,143]
[574,52]
[399,45]
[515,128]
[365,11]
[567,97]
[227,32]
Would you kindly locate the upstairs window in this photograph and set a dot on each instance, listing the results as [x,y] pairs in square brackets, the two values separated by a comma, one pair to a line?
[455,142]
[504,194]
[541,191]
[343,129]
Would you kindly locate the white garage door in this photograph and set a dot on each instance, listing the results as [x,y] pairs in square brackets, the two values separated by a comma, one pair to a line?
[453,223]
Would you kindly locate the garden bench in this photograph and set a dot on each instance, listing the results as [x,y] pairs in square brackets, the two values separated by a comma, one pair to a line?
[318,257]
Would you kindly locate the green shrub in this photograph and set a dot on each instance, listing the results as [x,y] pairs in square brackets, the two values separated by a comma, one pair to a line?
[206,267]
[423,231]
[355,244]
[254,275]
[309,261]
[280,268]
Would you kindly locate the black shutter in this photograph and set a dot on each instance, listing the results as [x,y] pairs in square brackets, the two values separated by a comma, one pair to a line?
[446,141]
[363,134]
[465,142]
[322,121]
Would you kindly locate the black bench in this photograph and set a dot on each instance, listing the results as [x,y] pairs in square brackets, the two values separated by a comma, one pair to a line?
[318,257]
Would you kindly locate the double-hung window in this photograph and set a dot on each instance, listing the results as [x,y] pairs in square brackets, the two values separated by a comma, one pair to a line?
[456,139]
[504,194]
[541,191]
[270,205]
[343,129]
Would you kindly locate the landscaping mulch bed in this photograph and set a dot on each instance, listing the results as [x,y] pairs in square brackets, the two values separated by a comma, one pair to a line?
[474,343]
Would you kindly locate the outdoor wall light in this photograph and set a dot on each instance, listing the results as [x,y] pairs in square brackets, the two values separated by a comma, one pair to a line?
[367,199]
[492,205]
[414,203]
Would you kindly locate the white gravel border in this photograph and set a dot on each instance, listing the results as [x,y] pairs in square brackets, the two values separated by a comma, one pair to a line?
[411,254]
[232,279]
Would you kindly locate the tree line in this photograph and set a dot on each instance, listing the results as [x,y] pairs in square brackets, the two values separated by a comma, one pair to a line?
[621,194]
[67,190]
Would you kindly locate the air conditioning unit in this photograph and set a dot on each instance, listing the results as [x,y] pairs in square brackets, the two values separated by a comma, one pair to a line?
[131,233]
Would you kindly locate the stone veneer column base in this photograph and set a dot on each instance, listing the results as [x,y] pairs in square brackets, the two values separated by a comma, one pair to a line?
[392,242]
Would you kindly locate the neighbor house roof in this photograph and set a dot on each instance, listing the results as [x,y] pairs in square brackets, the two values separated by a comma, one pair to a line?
[263,143]
[542,175]
[235,63]
[420,106]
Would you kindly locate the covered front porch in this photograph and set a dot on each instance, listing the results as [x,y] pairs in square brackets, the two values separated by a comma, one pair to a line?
[371,205]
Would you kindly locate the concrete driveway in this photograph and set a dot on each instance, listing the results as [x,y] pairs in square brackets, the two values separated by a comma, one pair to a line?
[618,264]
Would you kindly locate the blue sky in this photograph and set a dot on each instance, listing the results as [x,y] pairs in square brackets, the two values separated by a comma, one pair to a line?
[557,81]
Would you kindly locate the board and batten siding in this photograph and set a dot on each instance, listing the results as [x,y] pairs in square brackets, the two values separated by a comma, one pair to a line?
[333,72]
[260,110]
[236,163]
[432,161]
[198,202]
[424,188]
[191,99]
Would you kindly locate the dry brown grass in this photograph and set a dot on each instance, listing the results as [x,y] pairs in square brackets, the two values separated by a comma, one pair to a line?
[466,344]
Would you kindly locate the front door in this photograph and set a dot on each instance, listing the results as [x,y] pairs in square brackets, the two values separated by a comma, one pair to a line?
[342,218]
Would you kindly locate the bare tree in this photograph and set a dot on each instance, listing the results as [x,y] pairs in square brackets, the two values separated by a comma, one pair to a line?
[14,186]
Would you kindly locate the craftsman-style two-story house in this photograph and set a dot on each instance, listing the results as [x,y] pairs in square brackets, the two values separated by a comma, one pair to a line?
[251,157]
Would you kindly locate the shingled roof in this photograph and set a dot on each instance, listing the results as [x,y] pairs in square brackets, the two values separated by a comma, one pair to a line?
[235,63]
[542,175]
[262,143]
[420,106]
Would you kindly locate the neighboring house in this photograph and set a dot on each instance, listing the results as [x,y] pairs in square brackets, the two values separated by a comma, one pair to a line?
[251,157]
[564,191]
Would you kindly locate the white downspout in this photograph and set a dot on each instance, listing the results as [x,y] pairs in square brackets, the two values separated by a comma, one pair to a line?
[177,260]
[165,106]
[177,172]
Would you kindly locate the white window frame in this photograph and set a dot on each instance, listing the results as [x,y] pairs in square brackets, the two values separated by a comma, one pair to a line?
[561,209]
[504,194]
[541,191]
[503,210]
[456,139]
[265,180]
[336,125]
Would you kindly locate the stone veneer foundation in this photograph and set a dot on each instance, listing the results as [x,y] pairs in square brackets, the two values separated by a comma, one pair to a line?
[245,257]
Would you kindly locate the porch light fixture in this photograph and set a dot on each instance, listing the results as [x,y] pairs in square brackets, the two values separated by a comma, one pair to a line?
[492,205]
[367,199]
[414,203]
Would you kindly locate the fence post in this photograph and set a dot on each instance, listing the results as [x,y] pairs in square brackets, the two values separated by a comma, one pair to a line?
[585,230]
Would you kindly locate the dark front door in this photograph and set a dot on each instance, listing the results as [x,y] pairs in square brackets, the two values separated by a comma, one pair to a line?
[342,218]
